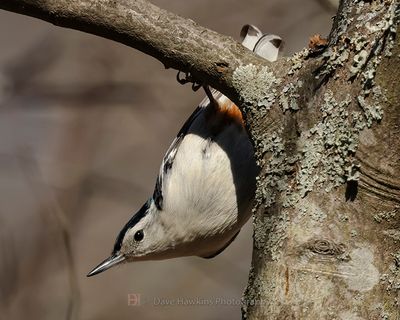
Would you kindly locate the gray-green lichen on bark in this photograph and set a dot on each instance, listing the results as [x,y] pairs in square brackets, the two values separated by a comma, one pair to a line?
[315,254]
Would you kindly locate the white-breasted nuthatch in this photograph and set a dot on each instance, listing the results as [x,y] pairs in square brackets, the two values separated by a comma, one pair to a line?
[206,184]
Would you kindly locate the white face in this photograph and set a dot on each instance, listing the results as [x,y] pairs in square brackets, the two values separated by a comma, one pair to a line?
[146,239]
[142,238]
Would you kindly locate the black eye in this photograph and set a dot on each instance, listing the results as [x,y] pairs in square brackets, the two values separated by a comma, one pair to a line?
[138,235]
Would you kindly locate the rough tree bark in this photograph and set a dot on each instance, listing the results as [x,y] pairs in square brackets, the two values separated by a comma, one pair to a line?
[325,125]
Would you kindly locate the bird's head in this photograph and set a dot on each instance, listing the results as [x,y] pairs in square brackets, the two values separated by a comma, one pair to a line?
[142,238]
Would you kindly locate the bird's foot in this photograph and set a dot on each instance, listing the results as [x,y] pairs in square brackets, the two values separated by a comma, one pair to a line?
[188,78]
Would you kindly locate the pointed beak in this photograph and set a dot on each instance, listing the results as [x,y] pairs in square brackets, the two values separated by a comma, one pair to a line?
[107,264]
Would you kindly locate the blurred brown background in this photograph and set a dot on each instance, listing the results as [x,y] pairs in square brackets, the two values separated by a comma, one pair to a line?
[84,125]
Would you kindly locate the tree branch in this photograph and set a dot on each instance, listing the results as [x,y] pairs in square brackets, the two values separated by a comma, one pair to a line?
[177,42]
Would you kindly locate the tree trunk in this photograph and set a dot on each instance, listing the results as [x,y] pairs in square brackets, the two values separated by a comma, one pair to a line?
[325,125]
[327,228]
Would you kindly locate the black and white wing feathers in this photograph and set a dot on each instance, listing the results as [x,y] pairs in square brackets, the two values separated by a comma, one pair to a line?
[170,155]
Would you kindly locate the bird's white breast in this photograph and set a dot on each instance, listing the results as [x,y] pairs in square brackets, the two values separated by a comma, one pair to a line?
[212,182]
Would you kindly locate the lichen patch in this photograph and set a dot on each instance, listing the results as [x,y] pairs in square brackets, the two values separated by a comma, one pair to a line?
[256,86]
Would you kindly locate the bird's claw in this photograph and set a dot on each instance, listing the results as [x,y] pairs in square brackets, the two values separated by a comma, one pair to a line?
[186,79]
